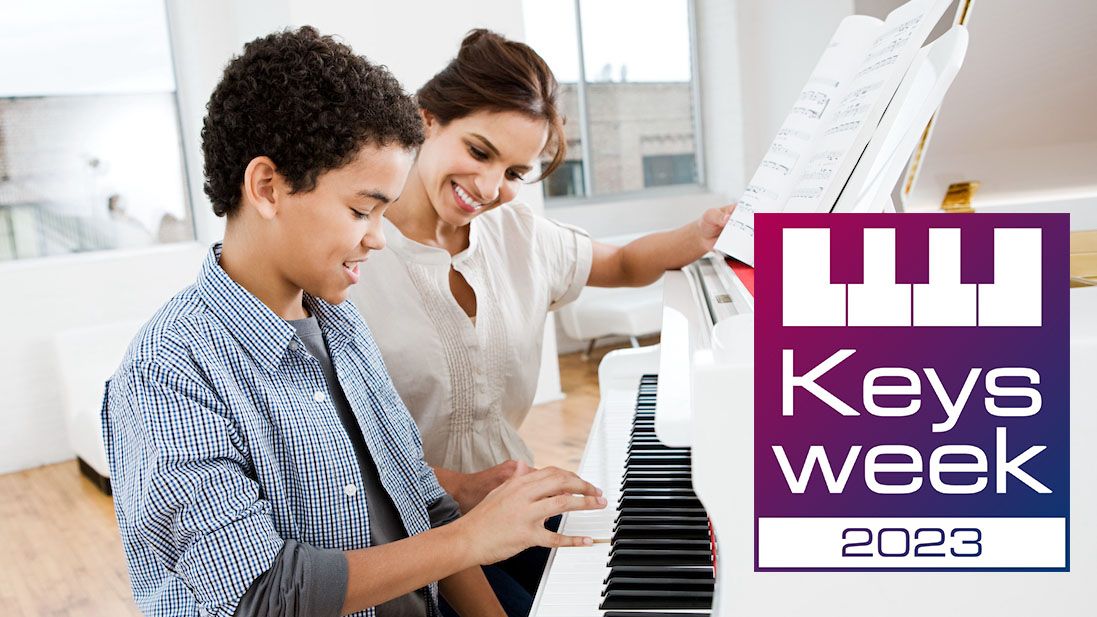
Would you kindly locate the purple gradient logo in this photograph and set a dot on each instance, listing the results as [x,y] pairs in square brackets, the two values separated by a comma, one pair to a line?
[911,392]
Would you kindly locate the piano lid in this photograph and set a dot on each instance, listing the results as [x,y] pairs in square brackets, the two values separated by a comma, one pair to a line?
[1019,118]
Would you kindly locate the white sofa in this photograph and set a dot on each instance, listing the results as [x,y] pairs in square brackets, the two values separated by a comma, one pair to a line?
[86,358]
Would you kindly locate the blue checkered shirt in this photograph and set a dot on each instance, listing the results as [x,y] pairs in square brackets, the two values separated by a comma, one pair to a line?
[223,443]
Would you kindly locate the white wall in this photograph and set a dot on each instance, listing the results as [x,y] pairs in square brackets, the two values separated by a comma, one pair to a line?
[779,43]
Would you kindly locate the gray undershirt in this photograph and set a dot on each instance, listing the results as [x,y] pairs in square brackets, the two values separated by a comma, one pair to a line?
[307,580]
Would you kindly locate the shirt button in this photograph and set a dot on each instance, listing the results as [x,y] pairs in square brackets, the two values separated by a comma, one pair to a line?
[319,396]
[350,490]
[293,345]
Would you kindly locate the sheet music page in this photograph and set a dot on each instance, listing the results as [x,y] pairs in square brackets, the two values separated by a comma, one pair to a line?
[857,114]
[776,175]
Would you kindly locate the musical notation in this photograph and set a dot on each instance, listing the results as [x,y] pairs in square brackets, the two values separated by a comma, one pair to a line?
[844,127]
[807,193]
[877,66]
[775,166]
[811,103]
[900,32]
[755,191]
[785,133]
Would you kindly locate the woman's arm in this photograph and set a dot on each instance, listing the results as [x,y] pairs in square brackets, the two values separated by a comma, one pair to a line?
[642,261]
[470,594]
[469,489]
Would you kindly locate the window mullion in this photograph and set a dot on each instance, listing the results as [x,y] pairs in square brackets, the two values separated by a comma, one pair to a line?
[695,85]
[584,112]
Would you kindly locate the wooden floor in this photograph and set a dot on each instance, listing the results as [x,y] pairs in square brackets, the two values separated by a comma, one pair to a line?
[61,554]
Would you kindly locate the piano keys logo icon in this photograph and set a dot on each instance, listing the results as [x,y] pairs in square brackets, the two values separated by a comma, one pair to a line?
[812,299]
[911,392]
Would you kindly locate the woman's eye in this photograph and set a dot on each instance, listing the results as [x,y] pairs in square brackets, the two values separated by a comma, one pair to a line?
[513,175]
[478,154]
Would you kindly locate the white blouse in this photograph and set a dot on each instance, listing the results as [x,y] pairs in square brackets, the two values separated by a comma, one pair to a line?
[469,383]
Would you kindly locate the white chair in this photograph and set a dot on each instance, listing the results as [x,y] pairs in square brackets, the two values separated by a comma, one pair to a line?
[86,358]
[626,311]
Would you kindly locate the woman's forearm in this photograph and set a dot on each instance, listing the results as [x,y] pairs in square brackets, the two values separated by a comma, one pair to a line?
[647,258]
[642,261]
[469,593]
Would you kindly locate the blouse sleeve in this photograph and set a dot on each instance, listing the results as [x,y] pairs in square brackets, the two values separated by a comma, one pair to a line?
[565,253]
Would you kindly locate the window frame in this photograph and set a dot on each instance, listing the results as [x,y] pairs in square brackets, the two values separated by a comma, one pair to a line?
[589,196]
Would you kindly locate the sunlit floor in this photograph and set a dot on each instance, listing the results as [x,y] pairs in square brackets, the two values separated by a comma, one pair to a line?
[62,555]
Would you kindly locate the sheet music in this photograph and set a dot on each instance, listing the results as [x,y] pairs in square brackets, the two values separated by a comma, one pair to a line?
[769,188]
[874,83]
[832,119]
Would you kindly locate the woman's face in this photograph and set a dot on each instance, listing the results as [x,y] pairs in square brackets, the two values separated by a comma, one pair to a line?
[478,162]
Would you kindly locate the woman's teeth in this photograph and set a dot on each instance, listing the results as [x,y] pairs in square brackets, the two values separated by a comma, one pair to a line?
[466,198]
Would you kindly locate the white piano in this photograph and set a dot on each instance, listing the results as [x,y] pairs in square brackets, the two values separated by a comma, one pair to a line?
[704,365]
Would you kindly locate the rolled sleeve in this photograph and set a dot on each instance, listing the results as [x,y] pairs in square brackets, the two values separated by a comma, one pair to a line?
[305,581]
[443,511]
[183,492]
[567,252]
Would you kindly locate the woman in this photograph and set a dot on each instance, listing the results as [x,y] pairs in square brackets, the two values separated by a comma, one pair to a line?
[470,276]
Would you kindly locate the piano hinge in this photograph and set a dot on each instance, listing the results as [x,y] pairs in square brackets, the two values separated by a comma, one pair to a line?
[959,196]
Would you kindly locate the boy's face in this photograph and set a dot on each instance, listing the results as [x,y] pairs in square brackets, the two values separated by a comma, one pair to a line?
[323,235]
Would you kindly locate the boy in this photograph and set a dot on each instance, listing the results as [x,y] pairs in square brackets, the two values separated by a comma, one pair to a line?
[262,462]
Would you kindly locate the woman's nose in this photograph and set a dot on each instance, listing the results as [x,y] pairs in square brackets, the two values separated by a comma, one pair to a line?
[488,187]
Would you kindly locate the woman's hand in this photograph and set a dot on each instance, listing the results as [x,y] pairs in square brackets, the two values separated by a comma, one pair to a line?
[712,223]
[469,489]
[511,518]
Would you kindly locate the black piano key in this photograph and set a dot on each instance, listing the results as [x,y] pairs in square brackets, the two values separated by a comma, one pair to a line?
[639,599]
[662,584]
[658,501]
[641,531]
[658,544]
[629,519]
[691,513]
[703,573]
[646,557]
[652,614]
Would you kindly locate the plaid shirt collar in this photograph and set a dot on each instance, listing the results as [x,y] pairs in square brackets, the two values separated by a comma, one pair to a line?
[259,330]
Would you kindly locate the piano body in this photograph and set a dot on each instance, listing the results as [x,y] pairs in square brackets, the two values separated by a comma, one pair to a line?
[1018,121]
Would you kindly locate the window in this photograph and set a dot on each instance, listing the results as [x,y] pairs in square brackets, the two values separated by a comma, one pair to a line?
[90,151]
[566,181]
[627,89]
[669,169]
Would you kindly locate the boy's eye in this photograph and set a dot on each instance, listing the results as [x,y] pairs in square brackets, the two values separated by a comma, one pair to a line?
[359,214]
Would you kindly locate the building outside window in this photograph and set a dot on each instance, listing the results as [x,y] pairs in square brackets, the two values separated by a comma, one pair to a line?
[90,150]
[627,89]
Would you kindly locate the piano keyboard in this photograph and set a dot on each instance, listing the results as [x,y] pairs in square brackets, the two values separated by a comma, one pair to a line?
[659,558]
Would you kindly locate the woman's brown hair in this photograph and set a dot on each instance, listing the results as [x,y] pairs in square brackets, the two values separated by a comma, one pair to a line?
[494,73]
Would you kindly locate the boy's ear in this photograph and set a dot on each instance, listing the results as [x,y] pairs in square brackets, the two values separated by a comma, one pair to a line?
[261,187]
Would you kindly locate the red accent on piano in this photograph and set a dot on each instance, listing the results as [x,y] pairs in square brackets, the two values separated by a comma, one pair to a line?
[744,272]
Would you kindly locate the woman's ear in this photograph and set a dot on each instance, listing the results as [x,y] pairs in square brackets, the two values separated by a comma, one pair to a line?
[260,190]
[430,122]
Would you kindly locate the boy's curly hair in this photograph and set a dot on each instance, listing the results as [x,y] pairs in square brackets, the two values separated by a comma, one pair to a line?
[306,101]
